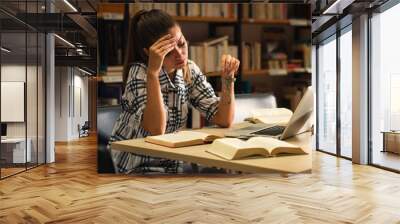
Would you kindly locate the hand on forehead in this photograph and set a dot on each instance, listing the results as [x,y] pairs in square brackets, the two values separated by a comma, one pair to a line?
[176,33]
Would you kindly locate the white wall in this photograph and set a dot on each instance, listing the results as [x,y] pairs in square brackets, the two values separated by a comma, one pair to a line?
[61,103]
[16,73]
[71,102]
[33,127]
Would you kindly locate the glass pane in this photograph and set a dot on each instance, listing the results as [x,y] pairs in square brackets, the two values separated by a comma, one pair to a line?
[346,94]
[14,152]
[31,97]
[327,96]
[41,98]
[385,86]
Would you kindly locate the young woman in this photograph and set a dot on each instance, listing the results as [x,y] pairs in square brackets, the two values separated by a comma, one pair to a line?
[160,84]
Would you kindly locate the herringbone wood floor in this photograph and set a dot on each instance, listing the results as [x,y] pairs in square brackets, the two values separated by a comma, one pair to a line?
[70,191]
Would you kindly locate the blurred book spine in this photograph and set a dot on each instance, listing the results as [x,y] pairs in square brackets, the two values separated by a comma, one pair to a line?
[224,10]
[262,11]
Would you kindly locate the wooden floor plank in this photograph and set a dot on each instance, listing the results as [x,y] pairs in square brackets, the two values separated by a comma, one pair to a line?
[71,191]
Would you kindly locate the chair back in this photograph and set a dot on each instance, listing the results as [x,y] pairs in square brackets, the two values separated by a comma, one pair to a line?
[245,103]
[106,118]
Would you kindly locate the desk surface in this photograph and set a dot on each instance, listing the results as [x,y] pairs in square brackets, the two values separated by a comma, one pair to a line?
[197,154]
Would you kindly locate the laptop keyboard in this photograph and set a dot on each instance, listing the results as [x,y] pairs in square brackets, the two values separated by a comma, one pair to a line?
[275,130]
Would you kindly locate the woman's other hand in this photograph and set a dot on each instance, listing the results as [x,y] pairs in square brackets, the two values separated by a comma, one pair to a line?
[157,53]
[229,66]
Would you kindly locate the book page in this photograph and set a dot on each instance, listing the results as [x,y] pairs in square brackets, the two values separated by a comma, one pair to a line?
[275,146]
[178,139]
[271,112]
[276,120]
[271,116]
[233,148]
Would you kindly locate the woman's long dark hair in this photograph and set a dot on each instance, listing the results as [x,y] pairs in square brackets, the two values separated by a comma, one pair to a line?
[145,28]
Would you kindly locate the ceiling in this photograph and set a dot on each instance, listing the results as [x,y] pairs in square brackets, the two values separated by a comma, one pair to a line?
[22,20]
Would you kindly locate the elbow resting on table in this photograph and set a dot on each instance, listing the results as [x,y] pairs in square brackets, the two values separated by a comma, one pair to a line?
[155,131]
[224,122]
[154,128]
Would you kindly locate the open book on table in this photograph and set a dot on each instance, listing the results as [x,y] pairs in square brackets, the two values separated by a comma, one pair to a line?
[272,116]
[181,139]
[233,148]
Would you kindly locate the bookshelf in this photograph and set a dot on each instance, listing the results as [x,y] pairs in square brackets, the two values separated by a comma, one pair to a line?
[244,24]
[204,19]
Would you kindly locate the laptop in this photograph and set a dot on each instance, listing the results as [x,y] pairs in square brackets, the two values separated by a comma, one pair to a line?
[298,123]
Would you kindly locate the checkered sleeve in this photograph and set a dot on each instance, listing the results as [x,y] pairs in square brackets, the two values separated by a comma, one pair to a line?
[201,94]
[134,99]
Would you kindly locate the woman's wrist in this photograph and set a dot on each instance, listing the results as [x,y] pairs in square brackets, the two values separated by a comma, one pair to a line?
[152,74]
[228,80]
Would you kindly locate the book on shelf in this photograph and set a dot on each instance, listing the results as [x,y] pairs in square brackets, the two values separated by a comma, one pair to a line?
[272,116]
[234,149]
[108,101]
[251,55]
[304,51]
[277,66]
[207,54]
[108,11]
[113,74]
[111,78]
[217,10]
[182,139]
[115,68]
[113,71]
[264,11]
[299,22]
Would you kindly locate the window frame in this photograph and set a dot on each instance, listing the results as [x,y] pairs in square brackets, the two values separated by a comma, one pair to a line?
[339,31]
[378,10]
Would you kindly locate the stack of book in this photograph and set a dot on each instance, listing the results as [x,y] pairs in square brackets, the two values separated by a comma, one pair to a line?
[277,63]
[112,75]
[227,148]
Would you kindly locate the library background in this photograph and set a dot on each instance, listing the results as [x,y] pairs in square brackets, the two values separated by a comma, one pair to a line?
[272,41]
[273,47]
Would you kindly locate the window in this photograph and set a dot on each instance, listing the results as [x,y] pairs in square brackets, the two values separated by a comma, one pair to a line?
[346,92]
[385,85]
[326,96]
[22,74]
[334,106]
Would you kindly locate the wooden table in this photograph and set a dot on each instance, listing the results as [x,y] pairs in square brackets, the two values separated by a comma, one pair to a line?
[197,154]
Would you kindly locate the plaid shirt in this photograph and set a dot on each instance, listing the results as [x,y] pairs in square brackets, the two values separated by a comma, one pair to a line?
[177,96]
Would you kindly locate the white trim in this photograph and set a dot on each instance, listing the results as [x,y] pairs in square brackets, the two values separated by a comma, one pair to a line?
[70,5]
[5,50]
[50,99]
[65,41]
